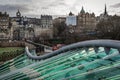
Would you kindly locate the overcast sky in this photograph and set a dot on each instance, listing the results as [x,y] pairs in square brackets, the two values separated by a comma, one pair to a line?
[35,8]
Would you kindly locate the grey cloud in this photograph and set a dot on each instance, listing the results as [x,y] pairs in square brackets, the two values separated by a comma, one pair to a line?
[45,7]
[11,9]
[118,12]
[62,3]
[53,4]
[111,11]
[116,5]
[15,1]
[57,3]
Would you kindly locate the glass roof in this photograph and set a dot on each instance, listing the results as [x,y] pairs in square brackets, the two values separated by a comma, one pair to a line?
[77,64]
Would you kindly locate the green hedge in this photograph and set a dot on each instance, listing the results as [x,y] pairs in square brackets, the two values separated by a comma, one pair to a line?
[10,52]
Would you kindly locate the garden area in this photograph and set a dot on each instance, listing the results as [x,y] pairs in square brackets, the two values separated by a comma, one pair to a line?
[7,53]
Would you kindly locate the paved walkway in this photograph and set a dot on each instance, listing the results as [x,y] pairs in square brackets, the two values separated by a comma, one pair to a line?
[30,45]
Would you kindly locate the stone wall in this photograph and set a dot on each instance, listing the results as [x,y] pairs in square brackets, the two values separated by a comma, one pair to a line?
[12,44]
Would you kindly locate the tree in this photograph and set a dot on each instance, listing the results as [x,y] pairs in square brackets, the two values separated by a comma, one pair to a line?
[59,28]
[109,28]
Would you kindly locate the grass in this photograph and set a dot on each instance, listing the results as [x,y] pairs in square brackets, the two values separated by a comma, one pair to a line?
[9,49]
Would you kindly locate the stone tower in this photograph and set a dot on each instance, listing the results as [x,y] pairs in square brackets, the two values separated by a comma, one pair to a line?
[18,14]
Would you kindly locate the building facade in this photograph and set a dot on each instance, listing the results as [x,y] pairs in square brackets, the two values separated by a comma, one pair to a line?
[29,28]
[86,22]
[4,20]
[46,21]
[59,19]
[46,27]
[71,20]
[4,26]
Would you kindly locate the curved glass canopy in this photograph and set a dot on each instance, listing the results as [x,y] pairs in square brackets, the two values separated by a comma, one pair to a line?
[75,64]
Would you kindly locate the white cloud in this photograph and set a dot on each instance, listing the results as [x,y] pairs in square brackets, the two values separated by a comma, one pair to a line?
[60,7]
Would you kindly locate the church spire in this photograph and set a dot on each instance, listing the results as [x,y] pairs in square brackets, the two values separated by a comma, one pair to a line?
[105,12]
[70,14]
[82,10]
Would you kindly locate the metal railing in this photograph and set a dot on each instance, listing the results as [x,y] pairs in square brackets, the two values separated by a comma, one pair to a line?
[107,44]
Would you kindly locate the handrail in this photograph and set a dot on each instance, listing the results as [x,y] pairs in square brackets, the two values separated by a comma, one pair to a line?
[38,44]
[85,44]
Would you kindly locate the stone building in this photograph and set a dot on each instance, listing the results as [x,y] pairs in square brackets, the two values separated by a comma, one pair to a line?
[46,21]
[25,27]
[86,22]
[4,20]
[104,15]
[4,26]
[18,26]
[59,19]
[34,21]
[29,33]
[46,27]
[43,33]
